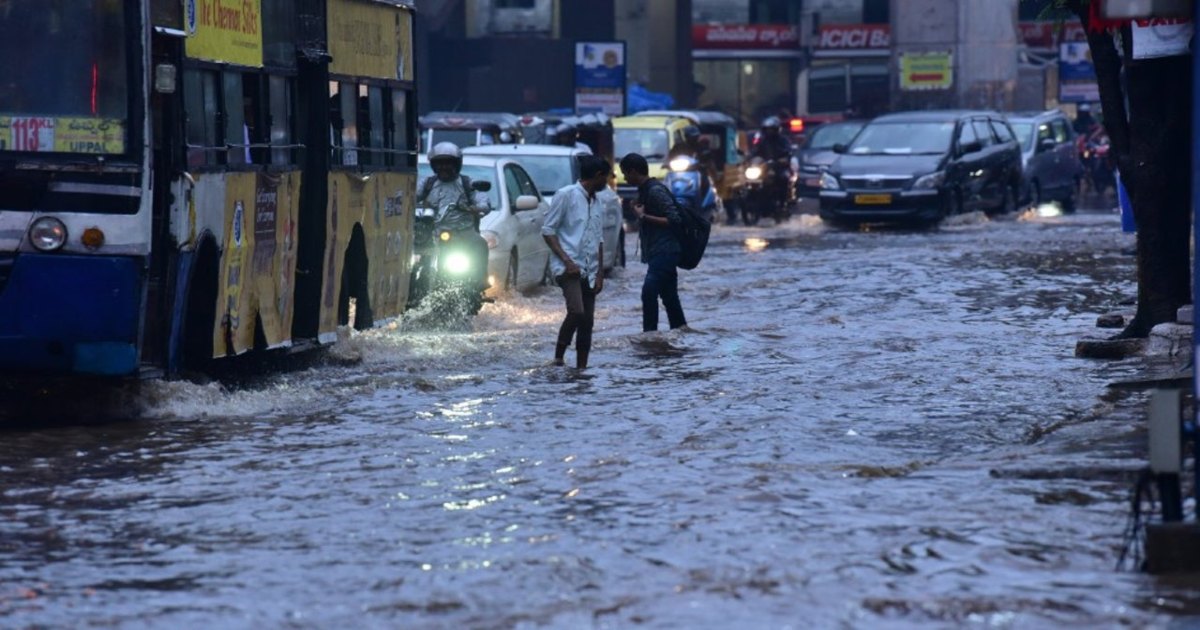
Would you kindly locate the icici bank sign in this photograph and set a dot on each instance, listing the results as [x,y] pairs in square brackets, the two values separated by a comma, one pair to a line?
[854,37]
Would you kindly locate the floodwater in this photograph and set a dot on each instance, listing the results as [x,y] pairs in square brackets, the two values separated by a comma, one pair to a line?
[883,429]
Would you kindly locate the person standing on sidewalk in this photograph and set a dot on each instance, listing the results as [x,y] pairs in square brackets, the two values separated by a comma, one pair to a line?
[659,216]
[573,230]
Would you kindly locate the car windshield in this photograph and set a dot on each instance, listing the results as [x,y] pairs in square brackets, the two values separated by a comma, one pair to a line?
[475,173]
[650,143]
[1024,133]
[833,133]
[903,138]
[549,172]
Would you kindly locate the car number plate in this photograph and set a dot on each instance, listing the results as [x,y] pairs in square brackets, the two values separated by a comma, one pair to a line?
[870,200]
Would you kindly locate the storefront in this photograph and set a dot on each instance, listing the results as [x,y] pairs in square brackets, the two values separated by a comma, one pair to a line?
[746,70]
[849,73]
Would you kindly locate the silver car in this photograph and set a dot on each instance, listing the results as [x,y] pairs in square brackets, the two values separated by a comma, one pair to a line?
[553,167]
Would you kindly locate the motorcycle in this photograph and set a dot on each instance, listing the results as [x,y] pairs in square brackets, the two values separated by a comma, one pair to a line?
[765,193]
[1098,165]
[445,267]
[691,185]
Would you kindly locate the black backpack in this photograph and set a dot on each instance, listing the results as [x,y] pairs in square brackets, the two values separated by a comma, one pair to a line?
[692,234]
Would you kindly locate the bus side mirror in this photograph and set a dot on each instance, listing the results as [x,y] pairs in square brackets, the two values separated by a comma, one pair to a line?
[164,78]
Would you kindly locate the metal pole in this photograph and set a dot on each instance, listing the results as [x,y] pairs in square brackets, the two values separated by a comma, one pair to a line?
[1196,238]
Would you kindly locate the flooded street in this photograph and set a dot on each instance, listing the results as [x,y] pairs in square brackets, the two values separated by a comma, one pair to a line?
[865,429]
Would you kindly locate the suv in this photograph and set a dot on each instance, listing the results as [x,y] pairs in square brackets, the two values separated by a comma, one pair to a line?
[1051,163]
[920,167]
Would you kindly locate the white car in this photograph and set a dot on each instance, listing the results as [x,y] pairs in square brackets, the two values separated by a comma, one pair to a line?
[518,257]
[553,167]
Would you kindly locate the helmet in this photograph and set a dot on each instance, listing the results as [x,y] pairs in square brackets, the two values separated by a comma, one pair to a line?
[446,152]
[771,123]
[691,133]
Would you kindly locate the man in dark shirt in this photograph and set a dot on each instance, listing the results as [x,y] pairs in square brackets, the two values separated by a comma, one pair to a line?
[659,217]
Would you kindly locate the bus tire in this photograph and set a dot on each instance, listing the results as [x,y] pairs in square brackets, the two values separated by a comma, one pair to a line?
[200,310]
[356,283]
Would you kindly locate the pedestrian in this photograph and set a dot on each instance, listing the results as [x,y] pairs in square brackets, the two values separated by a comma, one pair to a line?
[573,230]
[659,216]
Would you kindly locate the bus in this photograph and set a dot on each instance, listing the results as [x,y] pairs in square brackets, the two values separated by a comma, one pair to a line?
[183,181]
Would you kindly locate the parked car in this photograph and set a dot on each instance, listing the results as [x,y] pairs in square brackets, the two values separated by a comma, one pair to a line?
[553,167]
[816,153]
[1049,157]
[920,167]
[518,258]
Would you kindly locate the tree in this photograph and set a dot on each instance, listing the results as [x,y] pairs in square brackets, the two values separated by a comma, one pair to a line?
[1151,139]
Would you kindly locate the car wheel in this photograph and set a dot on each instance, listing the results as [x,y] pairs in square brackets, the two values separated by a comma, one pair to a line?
[1068,202]
[1010,200]
[510,277]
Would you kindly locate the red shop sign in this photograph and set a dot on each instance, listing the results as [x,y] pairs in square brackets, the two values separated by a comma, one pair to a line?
[854,37]
[745,36]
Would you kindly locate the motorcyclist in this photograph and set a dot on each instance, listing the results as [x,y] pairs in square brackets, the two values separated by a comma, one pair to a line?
[568,136]
[775,150]
[694,146]
[449,193]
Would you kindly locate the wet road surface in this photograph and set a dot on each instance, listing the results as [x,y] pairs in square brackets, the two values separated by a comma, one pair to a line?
[882,428]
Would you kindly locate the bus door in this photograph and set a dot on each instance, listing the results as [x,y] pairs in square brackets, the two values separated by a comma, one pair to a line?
[166,164]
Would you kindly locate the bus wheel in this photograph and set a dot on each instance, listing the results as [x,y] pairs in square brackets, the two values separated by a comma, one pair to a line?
[200,310]
[356,283]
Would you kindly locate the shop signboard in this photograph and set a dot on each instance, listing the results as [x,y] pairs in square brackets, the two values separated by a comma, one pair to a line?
[851,39]
[1076,74]
[926,71]
[745,37]
[1161,37]
[600,78]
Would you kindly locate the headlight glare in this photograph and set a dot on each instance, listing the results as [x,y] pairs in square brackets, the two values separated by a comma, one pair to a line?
[680,164]
[753,173]
[829,182]
[47,234]
[457,263]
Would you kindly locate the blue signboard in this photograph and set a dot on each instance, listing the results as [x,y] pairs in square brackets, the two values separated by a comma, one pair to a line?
[600,78]
[1076,74]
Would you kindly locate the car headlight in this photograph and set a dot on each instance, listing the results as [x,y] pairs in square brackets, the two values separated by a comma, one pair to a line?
[930,181]
[493,239]
[753,172]
[680,164]
[457,263]
[47,234]
[829,182]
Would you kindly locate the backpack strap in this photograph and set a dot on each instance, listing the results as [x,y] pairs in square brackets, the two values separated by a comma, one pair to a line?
[426,188]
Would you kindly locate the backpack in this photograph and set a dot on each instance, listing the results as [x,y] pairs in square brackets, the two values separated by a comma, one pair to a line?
[692,234]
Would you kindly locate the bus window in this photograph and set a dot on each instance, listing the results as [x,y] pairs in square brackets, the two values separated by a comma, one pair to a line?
[280,89]
[399,129]
[348,97]
[200,93]
[237,134]
[375,129]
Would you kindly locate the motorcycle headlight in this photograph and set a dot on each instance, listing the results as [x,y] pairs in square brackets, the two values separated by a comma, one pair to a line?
[829,182]
[493,239]
[444,235]
[753,172]
[930,181]
[680,164]
[47,234]
[457,263]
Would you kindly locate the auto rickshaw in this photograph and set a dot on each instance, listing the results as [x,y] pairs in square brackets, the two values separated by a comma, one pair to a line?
[650,136]
[594,130]
[726,145]
[469,129]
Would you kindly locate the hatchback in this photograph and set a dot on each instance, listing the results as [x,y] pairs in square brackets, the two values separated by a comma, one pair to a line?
[1051,163]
